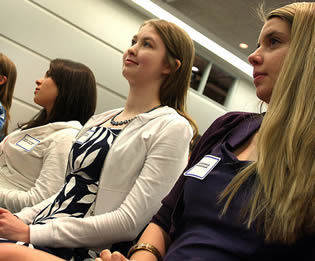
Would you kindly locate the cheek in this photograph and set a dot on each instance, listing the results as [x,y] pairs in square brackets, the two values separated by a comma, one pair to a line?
[278,61]
[124,56]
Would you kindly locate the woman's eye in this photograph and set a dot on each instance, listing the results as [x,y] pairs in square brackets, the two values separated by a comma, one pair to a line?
[133,42]
[274,41]
[146,43]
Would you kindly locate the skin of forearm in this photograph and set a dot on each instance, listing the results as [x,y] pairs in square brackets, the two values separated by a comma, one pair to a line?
[155,236]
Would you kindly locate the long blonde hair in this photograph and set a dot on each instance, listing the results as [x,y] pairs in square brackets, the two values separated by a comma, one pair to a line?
[8,69]
[179,46]
[282,202]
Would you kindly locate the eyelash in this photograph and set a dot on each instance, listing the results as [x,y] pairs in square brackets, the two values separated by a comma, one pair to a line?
[274,41]
[145,43]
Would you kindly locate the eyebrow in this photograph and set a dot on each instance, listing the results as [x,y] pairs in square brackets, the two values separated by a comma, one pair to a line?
[270,34]
[135,37]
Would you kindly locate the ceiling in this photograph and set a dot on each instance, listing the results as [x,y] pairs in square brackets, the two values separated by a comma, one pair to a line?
[228,22]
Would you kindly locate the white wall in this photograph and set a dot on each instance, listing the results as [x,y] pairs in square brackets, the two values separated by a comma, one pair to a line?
[242,97]
[94,32]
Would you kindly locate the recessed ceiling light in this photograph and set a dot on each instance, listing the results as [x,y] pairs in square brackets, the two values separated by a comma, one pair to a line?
[243,45]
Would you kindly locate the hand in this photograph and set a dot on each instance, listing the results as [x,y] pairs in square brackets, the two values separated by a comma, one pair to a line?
[12,227]
[106,255]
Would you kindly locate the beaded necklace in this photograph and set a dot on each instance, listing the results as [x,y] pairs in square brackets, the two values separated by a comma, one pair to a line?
[118,123]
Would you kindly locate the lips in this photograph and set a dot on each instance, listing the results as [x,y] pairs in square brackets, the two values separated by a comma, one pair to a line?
[130,61]
[36,90]
[258,77]
[258,74]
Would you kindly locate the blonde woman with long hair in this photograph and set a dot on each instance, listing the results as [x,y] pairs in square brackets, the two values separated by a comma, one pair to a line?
[248,192]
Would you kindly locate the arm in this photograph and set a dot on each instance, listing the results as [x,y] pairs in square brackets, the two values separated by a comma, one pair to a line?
[13,228]
[49,181]
[16,227]
[154,235]
[12,252]
[29,213]
[166,158]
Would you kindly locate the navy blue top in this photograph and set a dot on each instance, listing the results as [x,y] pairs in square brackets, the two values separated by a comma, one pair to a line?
[197,231]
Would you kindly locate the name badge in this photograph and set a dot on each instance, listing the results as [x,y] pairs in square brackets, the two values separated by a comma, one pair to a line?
[203,167]
[85,136]
[27,142]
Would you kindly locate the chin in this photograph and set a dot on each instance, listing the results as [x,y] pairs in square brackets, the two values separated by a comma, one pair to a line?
[264,98]
[263,95]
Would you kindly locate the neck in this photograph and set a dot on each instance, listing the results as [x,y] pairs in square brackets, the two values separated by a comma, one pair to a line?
[141,100]
[47,114]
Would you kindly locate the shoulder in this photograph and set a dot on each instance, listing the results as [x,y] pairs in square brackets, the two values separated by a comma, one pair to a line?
[62,130]
[221,127]
[232,119]
[169,121]
[165,114]
[236,115]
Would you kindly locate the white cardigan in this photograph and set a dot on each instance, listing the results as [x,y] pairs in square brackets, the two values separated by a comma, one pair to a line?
[141,167]
[33,163]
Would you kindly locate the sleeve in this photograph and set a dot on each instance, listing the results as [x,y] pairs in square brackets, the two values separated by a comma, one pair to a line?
[28,214]
[2,117]
[163,217]
[166,158]
[50,179]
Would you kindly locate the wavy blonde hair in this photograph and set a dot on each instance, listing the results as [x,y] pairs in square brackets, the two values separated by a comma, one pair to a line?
[282,201]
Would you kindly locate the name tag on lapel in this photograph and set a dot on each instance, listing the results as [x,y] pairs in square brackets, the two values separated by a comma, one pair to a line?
[203,167]
[28,142]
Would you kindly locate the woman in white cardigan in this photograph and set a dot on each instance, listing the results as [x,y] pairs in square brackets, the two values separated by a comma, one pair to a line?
[123,161]
[33,158]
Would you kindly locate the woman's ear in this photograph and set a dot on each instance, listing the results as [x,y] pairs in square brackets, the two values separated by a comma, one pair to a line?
[178,64]
[168,67]
[3,79]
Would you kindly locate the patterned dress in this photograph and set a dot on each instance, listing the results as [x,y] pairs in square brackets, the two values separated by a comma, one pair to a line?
[78,194]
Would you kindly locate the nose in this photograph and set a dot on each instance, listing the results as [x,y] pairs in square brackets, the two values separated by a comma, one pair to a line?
[255,58]
[39,81]
[132,50]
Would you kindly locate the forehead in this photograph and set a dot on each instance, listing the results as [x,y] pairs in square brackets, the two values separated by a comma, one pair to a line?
[275,25]
[148,31]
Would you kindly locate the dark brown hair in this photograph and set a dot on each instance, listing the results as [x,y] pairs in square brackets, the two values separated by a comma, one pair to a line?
[76,98]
